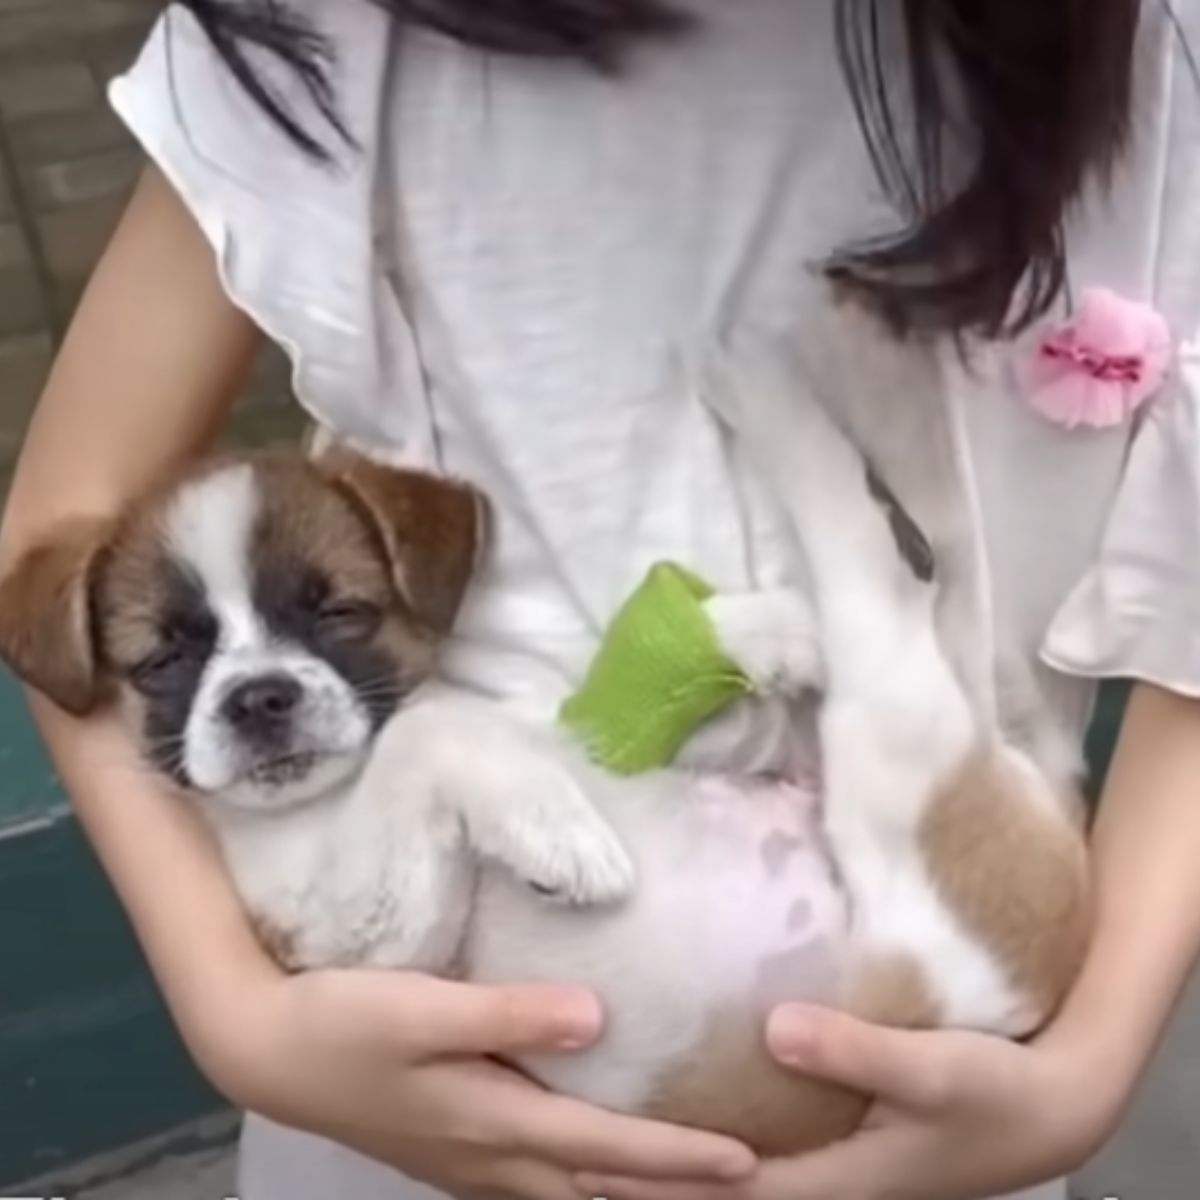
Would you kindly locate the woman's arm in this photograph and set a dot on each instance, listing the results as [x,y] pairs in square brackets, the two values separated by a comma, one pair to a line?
[149,370]
[386,1063]
[1145,850]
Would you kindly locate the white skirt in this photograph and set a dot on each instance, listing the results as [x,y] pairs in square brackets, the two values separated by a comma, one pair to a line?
[281,1164]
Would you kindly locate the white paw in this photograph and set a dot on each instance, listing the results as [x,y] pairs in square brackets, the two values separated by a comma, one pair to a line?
[572,854]
[772,636]
[538,821]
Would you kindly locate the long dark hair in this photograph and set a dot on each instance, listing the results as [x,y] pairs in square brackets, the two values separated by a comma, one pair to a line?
[1043,89]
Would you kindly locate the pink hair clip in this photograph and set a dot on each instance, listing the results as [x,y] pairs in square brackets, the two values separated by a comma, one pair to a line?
[1099,368]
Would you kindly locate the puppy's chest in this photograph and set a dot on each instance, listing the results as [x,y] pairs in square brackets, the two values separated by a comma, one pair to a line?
[315,896]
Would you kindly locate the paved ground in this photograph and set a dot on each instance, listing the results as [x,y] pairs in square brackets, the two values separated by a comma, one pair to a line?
[65,169]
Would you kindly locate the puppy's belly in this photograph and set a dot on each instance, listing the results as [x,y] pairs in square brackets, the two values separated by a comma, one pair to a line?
[737,909]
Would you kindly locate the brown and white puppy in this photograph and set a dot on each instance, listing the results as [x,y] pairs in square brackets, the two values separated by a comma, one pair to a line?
[935,880]
[261,621]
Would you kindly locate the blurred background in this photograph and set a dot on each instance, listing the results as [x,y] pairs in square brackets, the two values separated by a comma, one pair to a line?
[97,1096]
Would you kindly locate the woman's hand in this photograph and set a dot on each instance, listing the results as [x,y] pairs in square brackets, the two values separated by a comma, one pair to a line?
[391,1065]
[957,1116]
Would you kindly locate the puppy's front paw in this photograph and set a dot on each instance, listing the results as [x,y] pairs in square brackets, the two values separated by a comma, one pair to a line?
[538,821]
[772,636]
[570,852]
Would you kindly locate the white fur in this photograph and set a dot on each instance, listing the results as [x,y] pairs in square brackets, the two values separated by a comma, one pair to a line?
[383,874]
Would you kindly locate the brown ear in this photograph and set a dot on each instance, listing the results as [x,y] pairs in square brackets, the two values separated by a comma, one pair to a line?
[46,628]
[433,530]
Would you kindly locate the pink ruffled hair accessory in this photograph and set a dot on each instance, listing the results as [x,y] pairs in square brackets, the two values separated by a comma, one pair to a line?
[1099,368]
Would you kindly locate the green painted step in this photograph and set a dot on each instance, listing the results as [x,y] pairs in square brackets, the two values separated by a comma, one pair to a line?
[89,1059]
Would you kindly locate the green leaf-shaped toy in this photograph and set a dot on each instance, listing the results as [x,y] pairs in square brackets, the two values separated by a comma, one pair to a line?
[658,676]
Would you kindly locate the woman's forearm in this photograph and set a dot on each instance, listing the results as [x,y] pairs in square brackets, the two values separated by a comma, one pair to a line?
[1145,853]
[153,362]
[169,876]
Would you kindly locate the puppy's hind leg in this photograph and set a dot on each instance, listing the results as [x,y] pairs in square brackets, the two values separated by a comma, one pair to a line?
[891,696]
[873,570]
[772,635]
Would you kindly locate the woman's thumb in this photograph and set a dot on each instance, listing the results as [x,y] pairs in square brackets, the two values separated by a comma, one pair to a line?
[470,1020]
[896,1065]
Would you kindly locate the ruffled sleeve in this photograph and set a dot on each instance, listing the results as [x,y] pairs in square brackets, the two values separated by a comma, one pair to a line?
[1135,614]
[295,239]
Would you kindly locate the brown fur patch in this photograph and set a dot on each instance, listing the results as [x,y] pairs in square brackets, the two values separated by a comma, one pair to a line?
[46,625]
[1015,871]
[891,989]
[278,943]
[732,1085]
[432,529]
[131,592]
[306,523]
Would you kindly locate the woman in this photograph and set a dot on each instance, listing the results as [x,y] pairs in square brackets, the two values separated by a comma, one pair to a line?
[486,251]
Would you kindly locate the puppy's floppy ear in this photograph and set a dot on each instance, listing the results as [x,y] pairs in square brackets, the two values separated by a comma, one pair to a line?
[47,633]
[433,531]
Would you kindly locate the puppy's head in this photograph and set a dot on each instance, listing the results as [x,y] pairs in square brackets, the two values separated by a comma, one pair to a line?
[258,620]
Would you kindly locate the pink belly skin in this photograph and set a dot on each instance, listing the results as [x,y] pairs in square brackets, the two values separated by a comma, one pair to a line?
[737,907]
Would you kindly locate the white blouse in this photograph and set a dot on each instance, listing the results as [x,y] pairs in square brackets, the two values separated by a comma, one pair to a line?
[514,272]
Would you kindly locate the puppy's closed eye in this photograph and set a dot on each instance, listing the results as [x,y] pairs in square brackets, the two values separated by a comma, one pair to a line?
[349,620]
[431,530]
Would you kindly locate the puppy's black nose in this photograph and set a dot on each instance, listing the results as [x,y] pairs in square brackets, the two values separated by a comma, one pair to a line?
[263,705]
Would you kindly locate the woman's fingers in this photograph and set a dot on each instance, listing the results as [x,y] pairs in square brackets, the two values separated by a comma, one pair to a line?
[581,1137]
[426,1019]
[620,1187]
[524,1179]
[910,1069]
[468,1020]
[434,1020]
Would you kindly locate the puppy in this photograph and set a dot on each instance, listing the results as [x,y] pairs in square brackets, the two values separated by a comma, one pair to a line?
[359,832]
[261,621]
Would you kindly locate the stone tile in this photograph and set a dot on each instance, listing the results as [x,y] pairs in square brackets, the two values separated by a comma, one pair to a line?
[113,53]
[6,197]
[65,297]
[109,173]
[61,136]
[106,67]
[13,250]
[22,306]
[255,427]
[73,238]
[24,364]
[204,1176]
[53,26]
[196,1162]
[272,373]
[46,88]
